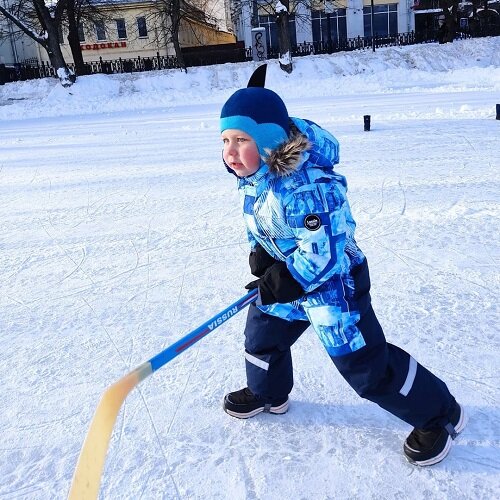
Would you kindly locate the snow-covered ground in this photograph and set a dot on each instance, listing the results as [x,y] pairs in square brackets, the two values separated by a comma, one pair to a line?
[120,232]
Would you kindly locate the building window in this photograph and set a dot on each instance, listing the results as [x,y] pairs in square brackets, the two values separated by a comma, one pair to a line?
[385,20]
[141,27]
[121,28]
[329,26]
[269,24]
[81,32]
[100,30]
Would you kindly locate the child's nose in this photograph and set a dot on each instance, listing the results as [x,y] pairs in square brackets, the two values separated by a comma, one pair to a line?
[231,148]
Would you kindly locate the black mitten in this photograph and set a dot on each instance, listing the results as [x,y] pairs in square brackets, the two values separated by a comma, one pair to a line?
[260,261]
[277,285]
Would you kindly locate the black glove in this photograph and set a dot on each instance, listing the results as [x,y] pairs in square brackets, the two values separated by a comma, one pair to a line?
[277,285]
[260,261]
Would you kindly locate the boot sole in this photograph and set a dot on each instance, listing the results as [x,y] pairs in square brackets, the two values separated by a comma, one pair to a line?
[444,453]
[277,410]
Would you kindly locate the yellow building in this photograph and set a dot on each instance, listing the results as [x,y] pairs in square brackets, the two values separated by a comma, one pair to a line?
[140,28]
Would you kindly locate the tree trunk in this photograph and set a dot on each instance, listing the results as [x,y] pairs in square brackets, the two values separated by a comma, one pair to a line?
[450,9]
[285,58]
[66,77]
[175,19]
[49,42]
[74,39]
[255,14]
[50,25]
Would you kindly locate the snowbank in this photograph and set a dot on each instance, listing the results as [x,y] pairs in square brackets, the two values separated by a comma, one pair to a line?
[430,66]
[120,232]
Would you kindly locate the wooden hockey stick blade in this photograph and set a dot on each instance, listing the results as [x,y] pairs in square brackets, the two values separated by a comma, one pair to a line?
[88,472]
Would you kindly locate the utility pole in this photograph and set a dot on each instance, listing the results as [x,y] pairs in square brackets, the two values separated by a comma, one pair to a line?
[372,16]
[11,36]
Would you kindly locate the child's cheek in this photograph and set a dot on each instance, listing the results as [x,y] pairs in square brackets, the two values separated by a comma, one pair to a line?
[254,157]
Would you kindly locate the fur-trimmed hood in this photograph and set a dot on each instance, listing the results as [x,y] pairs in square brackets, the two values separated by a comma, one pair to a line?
[285,159]
[308,146]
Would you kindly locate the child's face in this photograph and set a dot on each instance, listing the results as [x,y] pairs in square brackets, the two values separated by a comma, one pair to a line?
[240,152]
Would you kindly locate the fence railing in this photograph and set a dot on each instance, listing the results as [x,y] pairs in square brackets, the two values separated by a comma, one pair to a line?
[348,44]
[129,65]
[42,70]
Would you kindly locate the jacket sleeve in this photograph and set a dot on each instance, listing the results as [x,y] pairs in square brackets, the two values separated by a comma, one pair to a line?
[251,239]
[318,215]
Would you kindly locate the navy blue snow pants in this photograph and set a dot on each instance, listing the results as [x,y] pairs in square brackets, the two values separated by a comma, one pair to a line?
[379,371]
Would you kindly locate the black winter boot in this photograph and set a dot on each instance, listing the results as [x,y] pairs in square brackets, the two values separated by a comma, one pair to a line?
[428,447]
[245,404]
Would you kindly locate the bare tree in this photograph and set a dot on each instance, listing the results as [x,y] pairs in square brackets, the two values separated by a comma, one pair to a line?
[42,23]
[174,14]
[80,13]
[73,17]
[280,10]
[282,17]
[178,15]
[450,12]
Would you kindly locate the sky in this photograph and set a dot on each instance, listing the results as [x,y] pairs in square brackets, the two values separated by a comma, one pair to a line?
[121,232]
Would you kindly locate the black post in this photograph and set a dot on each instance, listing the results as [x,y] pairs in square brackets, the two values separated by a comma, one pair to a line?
[329,29]
[371,22]
[366,119]
[498,111]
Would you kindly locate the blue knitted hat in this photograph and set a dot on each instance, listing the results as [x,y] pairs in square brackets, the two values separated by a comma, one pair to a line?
[260,113]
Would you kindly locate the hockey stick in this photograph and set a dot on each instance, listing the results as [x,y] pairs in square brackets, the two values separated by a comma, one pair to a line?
[88,472]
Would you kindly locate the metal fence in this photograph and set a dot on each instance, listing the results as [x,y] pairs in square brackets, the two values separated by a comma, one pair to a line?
[129,65]
[205,57]
[20,72]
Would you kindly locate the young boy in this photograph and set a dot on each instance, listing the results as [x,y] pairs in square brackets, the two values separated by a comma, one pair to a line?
[311,272]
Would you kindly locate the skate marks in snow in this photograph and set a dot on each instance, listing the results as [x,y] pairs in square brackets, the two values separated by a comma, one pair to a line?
[325,438]
[438,231]
[316,447]
[114,247]
[444,258]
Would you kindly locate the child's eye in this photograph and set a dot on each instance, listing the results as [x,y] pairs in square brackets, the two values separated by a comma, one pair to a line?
[242,139]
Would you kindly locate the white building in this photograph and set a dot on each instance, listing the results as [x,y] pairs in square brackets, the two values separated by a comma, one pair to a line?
[324,20]
[128,29]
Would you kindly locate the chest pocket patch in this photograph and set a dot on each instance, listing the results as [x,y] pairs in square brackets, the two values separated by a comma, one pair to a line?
[312,222]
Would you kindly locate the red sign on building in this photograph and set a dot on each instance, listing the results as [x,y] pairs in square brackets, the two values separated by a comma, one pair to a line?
[104,45]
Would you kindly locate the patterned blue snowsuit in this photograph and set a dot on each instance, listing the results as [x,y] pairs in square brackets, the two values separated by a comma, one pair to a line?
[296,208]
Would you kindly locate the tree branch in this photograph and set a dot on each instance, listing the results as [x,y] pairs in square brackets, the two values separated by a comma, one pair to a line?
[23,27]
